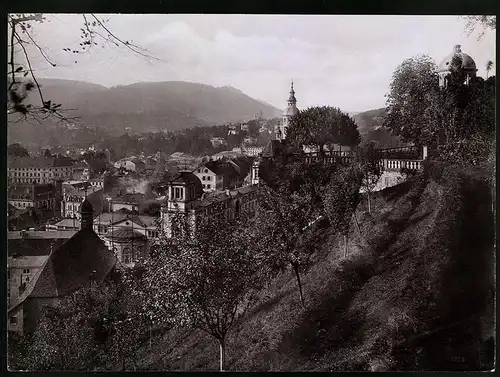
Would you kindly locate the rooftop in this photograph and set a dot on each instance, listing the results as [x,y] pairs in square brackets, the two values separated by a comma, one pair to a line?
[27,261]
[40,235]
[72,265]
[45,162]
[116,217]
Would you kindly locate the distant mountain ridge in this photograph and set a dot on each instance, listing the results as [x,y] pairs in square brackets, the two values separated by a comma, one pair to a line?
[151,106]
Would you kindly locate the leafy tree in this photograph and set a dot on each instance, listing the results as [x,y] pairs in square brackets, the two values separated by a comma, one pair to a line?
[413,87]
[201,280]
[17,150]
[368,160]
[320,126]
[341,197]
[488,67]
[483,22]
[96,328]
[444,119]
[285,232]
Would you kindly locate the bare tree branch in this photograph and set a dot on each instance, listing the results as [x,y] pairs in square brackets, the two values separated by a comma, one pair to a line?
[129,45]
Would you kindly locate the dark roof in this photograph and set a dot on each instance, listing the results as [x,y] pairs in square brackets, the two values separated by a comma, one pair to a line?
[28,162]
[126,234]
[216,167]
[186,177]
[39,162]
[137,161]
[80,259]
[61,161]
[32,247]
[97,165]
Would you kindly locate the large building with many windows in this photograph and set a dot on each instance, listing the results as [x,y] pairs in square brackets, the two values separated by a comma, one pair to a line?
[35,196]
[187,199]
[38,170]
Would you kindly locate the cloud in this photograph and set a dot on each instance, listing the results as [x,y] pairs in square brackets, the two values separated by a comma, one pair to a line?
[344,61]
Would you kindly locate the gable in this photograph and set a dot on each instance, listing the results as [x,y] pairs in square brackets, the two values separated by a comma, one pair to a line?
[131,223]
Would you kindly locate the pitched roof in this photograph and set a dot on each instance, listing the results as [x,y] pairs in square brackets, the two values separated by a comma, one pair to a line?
[30,162]
[97,165]
[116,217]
[137,161]
[27,261]
[61,161]
[188,177]
[125,234]
[80,259]
[130,197]
[220,196]
[33,247]
[38,235]
[69,222]
[216,167]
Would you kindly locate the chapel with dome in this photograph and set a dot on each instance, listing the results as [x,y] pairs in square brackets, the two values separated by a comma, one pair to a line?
[467,66]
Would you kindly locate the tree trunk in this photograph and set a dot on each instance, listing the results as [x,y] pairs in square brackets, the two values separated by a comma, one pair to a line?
[369,202]
[345,245]
[297,274]
[357,223]
[222,358]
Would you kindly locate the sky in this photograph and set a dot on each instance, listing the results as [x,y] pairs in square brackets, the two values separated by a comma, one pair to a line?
[336,60]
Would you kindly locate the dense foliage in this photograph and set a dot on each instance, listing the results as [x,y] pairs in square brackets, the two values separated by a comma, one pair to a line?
[201,278]
[17,150]
[456,122]
[322,126]
[97,328]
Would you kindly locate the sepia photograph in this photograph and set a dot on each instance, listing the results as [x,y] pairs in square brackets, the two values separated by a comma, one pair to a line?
[250,192]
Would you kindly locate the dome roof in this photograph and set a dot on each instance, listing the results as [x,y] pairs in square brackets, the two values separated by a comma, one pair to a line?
[87,206]
[290,111]
[468,63]
[185,178]
[125,234]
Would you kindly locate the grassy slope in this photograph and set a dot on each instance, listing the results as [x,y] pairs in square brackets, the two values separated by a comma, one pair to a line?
[415,293]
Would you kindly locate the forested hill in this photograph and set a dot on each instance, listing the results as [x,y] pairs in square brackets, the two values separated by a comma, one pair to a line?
[415,292]
[370,127]
[152,106]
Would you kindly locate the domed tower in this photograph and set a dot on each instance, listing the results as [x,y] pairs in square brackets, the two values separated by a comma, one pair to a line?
[183,193]
[464,63]
[289,112]
[87,212]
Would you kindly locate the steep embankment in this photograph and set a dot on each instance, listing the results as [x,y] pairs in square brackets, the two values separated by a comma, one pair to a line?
[415,293]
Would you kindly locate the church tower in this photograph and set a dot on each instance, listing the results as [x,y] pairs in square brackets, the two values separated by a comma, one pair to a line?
[87,212]
[289,112]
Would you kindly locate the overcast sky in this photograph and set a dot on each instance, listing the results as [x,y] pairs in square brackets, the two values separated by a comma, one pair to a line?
[343,61]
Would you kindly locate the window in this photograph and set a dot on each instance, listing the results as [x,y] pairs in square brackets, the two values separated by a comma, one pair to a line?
[127,255]
[209,178]
[13,320]
[26,271]
[177,193]
[209,186]
[206,170]
[203,185]
[203,178]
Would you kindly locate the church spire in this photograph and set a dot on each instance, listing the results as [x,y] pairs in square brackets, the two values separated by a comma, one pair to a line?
[292,101]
